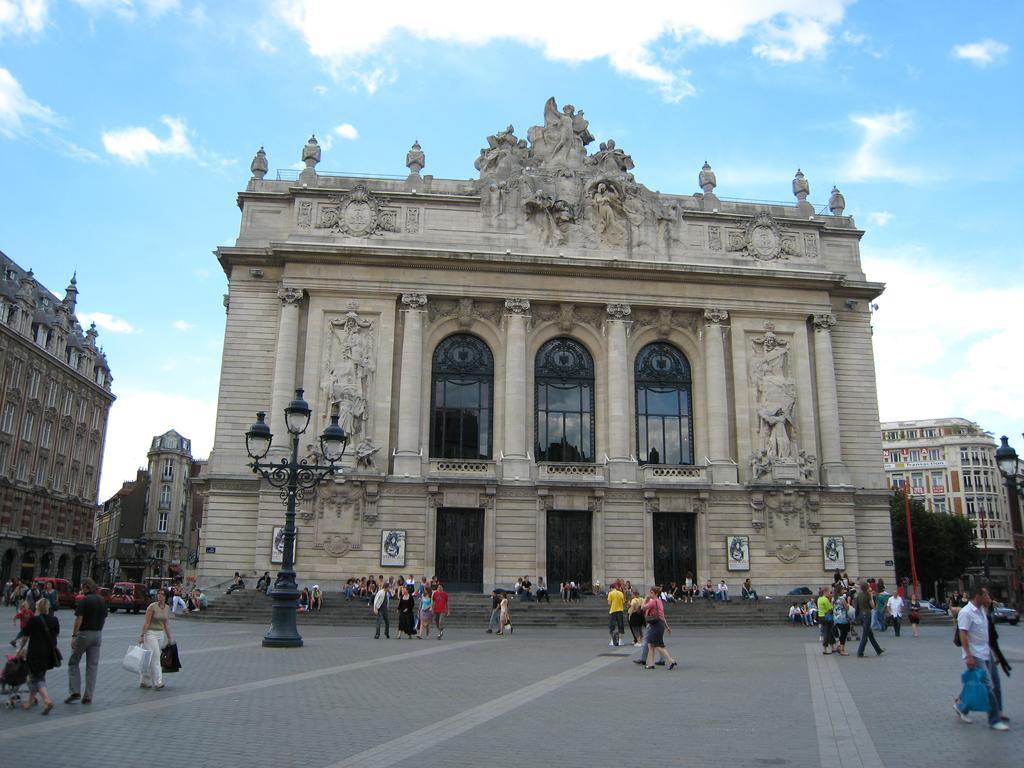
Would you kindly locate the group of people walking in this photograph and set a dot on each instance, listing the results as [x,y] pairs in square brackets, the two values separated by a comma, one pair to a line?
[647,624]
[37,646]
[420,607]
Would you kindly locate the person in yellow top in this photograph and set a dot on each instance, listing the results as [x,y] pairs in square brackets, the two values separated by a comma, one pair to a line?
[828,638]
[616,613]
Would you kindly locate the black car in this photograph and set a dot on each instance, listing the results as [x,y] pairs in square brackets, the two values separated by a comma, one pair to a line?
[1004,614]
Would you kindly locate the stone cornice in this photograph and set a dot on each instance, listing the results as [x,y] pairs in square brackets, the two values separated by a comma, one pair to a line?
[279,254]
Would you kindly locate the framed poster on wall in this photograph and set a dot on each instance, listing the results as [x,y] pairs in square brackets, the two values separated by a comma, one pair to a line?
[833,553]
[737,553]
[277,546]
[392,548]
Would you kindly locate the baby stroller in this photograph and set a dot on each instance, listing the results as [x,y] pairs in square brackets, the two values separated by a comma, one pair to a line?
[14,675]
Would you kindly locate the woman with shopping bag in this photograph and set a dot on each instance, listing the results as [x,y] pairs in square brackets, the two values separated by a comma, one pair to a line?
[156,633]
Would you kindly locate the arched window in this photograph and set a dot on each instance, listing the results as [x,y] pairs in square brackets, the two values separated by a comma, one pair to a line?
[462,383]
[664,407]
[564,377]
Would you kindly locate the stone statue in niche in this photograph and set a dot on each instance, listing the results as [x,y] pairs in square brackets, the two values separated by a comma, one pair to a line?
[609,214]
[549,218]
[775,391]
[348,370]
[562,138]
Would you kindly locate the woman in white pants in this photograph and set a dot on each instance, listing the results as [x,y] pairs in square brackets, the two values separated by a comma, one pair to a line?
[156,633]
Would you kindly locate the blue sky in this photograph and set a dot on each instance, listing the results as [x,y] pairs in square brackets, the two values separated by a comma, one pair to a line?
[127,128]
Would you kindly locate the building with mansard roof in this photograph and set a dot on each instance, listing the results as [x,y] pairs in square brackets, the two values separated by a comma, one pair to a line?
[950,465]
[54,401]
[551,370]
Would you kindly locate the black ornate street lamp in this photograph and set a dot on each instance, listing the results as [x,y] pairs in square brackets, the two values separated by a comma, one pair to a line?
[292,477]
[1006,460]
[1009,466]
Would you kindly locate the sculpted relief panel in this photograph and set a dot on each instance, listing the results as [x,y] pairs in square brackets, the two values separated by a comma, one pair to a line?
[776,455]
[565,197]
[347,380]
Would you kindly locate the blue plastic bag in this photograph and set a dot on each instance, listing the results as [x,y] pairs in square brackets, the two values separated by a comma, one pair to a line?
[975,694]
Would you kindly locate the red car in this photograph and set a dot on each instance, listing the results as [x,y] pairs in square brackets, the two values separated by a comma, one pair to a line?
[129,596]
[103,592]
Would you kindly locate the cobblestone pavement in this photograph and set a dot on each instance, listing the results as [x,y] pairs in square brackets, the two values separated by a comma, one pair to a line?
[740,697]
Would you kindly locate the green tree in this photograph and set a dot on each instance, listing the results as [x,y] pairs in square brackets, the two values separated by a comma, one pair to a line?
[944,545]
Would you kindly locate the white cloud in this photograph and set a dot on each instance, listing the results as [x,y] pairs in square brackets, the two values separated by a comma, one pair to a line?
[347,131]
[933,357]
[17,111]
[982,53]
[135,145]
[869,160]
[345,36]
[266,46]
[881,218]
[794,42]
[183,325]
[320,90]
[106,322]
[136,417]
[21,17]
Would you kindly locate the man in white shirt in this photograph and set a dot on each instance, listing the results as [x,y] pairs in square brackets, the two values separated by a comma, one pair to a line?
[972,623]
[894,607]
[722,593]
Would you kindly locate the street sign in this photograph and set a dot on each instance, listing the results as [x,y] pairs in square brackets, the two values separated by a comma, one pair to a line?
[211,550]
[890,563]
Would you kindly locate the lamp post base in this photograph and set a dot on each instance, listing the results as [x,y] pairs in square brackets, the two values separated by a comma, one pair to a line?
[283,632]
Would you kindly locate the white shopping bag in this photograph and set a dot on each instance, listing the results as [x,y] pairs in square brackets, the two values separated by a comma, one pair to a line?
[137,659]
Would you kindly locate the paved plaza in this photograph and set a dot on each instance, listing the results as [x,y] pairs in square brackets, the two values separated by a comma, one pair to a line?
[740,697]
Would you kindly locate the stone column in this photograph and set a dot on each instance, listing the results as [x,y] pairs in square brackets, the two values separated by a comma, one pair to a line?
[409,453]
[620,465]
[723,469]
[515,459]
[833,471]
[284,365]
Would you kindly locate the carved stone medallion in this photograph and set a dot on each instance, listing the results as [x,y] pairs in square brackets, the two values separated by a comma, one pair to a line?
[356,214]
[763,240]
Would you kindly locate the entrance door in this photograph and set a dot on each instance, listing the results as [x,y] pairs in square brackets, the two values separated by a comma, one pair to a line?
[569,548]
[675,549]
[28,566]
[459,562]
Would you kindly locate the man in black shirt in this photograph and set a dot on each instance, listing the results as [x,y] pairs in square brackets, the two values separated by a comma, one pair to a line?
[90,614]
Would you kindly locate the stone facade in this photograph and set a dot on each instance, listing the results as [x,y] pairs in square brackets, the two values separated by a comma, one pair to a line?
[148,529]
[717,356]
[54,401]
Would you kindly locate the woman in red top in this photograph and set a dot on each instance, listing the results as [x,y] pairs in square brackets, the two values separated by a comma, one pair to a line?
[654,612]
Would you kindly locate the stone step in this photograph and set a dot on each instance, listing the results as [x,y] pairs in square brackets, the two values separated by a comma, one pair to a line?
[475,610]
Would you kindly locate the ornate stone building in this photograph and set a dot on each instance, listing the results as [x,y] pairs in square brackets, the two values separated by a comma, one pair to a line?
[54,401]
[950,465]
[552,370]
[147,529]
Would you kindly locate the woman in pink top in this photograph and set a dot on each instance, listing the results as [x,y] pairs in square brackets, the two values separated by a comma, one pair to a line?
[654,612]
